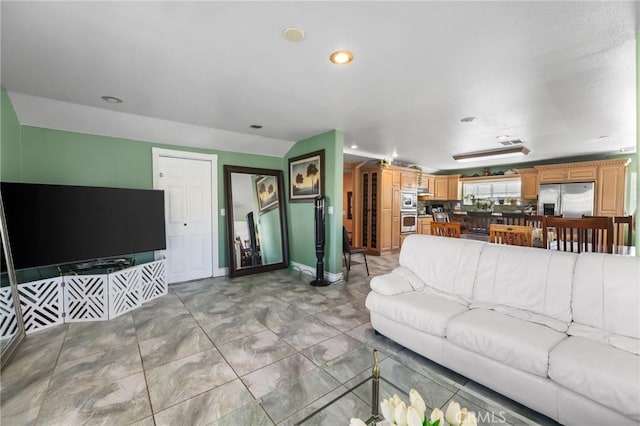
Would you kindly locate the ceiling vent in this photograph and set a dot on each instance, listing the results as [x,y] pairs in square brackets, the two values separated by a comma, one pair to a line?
[511,142]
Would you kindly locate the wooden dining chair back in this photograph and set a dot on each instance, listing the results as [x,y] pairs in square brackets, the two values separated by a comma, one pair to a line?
[440,217]
[347,251]
[514,235]
[579,235]
[513,219]
[622,230]
[536,221]
[446,229]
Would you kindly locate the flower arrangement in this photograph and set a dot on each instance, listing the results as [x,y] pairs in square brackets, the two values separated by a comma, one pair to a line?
[396,413]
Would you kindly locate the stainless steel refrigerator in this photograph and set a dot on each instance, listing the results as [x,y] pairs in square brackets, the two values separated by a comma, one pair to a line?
[569,199]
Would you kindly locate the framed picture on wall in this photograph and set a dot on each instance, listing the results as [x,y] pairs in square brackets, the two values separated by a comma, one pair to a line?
[267,192]
[306,177]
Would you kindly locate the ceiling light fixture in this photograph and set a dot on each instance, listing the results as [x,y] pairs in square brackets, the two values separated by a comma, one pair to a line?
[502,137]
[111,99]
[341,57]
[394,154]
[354,146]
[293,34]
[255,126]
[492,154]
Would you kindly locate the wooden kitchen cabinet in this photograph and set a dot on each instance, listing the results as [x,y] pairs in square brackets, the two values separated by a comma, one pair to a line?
[381,201]
[552,175]
[528,184]
[429,182]
[447,187]
[424,225]
[409,180]
[610,188]
[582,174]
[454,188]
[441,188]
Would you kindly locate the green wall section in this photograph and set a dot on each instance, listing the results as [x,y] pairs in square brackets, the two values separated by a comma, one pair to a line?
[301,215]
[10,131]
[69,158]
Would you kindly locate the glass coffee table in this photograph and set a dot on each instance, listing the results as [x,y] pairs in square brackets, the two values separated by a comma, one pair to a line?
[375,380]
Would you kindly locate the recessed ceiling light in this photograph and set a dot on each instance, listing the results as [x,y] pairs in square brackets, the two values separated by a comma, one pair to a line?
[255,126]
[111,99]
[354,146]
[341,57]
[502,137]
[293,34]
[468,119]
[394,154]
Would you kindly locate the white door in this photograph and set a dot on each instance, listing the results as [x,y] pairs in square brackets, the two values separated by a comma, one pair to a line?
[188,192]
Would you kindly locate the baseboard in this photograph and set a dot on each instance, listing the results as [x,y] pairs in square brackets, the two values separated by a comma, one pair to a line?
[329,276]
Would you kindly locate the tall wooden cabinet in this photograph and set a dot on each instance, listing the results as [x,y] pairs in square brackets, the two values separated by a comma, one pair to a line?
[381,203]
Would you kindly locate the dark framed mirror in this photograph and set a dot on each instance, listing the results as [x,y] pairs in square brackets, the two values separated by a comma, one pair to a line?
[256,220]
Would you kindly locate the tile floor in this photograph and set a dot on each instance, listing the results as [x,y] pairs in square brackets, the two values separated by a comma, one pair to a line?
[259,350]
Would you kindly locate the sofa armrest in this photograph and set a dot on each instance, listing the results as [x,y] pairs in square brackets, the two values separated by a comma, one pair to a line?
[400,280]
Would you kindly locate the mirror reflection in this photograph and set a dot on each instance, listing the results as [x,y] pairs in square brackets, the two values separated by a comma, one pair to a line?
[256,224]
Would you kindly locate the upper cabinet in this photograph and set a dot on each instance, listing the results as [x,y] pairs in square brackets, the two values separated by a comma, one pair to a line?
[409,180]
[440,188]
[529,184]
[446,187]
[608,175]
[454,188]
[429,182]
[570,172]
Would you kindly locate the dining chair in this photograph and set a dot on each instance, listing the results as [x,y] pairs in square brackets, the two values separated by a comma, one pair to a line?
[513,219]
[622,230]
[446,229]
[515,235]
[347,251]
[440,217]
[579,235]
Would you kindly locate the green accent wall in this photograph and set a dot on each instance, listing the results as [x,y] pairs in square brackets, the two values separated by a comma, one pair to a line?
[10,131]
[70,158]
[301,215]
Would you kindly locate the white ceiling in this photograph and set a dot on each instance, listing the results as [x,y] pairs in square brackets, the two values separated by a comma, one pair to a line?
[557,74]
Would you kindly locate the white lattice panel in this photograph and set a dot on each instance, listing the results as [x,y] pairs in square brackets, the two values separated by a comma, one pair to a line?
[8,321]
[153,280]
[85,298]
[124,291]
[41,304]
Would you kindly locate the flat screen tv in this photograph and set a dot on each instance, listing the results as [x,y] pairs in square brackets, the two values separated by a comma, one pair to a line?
[58,224]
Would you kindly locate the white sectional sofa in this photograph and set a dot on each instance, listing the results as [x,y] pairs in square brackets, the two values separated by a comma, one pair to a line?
[558,332]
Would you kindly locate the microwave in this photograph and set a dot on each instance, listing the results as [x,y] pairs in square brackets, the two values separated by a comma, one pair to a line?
[409,201]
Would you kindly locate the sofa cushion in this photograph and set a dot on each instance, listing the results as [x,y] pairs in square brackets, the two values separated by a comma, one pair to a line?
[598,372]
[515,342]
[606,296]
[400,280]
[422,311]
[447,264]
[528,279]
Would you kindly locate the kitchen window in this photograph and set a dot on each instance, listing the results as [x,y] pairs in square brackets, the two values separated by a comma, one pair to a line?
[490,190]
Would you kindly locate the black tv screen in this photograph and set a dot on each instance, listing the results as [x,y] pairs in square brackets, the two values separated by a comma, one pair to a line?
[58,224]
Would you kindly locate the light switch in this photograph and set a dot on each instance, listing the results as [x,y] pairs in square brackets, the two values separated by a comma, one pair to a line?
[222,212]
[330,210]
